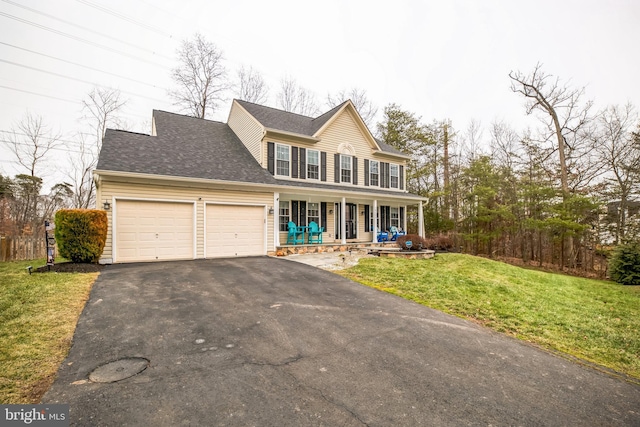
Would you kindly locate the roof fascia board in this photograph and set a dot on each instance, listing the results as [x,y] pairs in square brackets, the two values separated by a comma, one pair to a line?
[99,175]
[395,155]
[276,133]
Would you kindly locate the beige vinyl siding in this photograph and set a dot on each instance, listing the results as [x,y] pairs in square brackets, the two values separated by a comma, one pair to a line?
[122,190]
[247,129]
[344,129]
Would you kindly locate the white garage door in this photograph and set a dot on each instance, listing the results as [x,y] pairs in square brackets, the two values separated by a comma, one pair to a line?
[235,231]
[150,231]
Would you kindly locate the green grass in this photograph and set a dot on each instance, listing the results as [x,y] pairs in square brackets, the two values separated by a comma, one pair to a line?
[594,320]
[38,315]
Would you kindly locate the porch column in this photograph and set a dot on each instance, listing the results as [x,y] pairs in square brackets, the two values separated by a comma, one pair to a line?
[343,221]
[276,220]
[374,229]
[420,220]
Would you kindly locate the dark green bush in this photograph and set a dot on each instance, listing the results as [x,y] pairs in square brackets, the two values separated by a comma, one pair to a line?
[81,234]
[624,266]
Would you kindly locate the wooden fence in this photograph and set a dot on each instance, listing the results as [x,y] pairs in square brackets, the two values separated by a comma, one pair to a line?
[22,248]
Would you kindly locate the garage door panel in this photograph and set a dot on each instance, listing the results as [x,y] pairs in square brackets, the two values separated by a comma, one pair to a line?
[149,231]
[234,230]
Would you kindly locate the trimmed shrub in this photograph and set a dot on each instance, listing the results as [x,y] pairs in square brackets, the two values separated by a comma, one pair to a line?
[417,242]
[624,266]
[81,234]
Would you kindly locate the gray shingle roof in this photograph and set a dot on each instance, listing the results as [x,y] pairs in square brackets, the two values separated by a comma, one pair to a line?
[290,122]
[196,148]
[185,147]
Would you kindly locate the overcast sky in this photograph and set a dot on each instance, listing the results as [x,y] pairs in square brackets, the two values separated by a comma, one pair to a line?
[437,59]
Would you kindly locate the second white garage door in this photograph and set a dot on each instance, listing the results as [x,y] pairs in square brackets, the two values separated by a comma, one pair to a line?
[153,231]
[235,230]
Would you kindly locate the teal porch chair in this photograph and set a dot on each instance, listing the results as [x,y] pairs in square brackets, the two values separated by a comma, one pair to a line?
[315,233]
[295,235]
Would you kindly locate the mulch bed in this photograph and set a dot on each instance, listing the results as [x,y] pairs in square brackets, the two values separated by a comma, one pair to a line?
[69,267]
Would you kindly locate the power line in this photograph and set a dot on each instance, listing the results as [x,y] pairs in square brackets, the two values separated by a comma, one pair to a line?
[81,65]
[76,79]
[80,39]
[38,94]
[91,30]
[126,18]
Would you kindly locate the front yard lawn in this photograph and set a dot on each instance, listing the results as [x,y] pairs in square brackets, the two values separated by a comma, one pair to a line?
[38,315]
[594,320]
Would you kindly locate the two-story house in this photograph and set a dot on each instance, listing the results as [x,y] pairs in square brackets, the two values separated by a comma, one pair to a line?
[197,188]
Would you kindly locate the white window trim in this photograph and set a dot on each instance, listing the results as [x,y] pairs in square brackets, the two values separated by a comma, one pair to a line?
[391,166]
[307,162]
[276,160]
[371,173]
[350,168]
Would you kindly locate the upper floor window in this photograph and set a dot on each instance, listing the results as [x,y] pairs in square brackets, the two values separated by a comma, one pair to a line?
[345,168]
[394,175]
[282,159]
[374,173]
[313,164]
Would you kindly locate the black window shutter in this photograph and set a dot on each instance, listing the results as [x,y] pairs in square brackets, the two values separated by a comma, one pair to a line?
[323,215]
[382,174]
[367,219]
[402,225]
[294,212]
[294,162]
[323,166]
[402,177]
[303,212]
[366,172]
[270,157]
[303,163]
[387,175]
[354,180]
[336,162]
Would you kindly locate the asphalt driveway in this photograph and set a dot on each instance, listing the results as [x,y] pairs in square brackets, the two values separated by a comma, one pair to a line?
[270,342]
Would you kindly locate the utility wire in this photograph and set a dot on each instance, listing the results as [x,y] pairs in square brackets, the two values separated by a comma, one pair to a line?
[91,30]
[81,65]
[80,39]
[75,79]
[126,18]
[38,94]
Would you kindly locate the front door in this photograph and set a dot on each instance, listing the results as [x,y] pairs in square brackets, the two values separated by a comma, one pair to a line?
[351,216]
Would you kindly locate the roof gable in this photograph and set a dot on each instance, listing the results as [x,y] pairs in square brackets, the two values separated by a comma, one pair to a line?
[279,120]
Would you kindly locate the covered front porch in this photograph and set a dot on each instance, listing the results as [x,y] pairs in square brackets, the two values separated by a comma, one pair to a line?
[347,220]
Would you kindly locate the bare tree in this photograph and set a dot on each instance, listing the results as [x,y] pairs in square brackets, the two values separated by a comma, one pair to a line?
[31,141]
[564,113]
[619,153]
[201,77]
[565,117]
[471,141]
[360,100]
[100,111]
[505,144]
[296,99]
[251,86]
